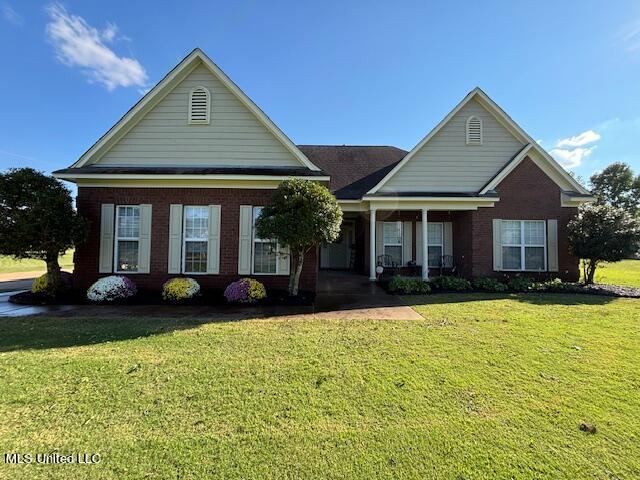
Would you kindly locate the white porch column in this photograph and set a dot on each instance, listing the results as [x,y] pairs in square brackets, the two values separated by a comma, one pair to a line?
[425,245]
[372,245]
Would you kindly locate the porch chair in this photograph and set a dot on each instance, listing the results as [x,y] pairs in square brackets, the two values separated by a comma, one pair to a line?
[387,262]
[447,263]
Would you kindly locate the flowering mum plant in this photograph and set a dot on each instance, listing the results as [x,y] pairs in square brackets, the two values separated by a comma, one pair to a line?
[245,290]
[109,289]
[41,283]
[180,289]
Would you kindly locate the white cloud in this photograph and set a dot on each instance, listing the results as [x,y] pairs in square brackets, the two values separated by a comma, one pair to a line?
[571,158]
[110,31]
[585,138]
[10,15]
[77,44]
[630,37]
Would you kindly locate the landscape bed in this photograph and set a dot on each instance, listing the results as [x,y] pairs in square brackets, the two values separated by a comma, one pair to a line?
[486,386]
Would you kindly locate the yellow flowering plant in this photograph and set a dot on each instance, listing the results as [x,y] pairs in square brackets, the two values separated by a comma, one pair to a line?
[180,289]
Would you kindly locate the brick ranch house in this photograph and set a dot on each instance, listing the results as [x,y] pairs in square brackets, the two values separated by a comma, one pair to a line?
[173,189]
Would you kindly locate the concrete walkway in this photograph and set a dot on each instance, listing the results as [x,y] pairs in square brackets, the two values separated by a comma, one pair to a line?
[341,295]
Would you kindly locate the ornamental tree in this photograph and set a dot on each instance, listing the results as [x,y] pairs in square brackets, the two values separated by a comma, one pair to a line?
[302,215]
[37,220]
[602,233]
[618,186]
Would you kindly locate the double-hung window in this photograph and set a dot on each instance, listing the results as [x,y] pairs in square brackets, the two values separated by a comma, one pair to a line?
[127,242]
[524,245]
[435,236]
[392,242]
[265,251]
[196,239]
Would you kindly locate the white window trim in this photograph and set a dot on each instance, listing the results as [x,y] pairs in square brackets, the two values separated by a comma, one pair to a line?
[208,95]
[185,240]
[401,244]
[118,238]
[441,244]
[523,246]
[472,117]
[261,240]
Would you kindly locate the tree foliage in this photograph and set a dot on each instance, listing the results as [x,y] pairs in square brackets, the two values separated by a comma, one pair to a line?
[302,215]
[37,219]
[618,186]
[603,233]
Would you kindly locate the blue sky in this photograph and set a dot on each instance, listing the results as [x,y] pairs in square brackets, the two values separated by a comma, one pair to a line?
[381,73]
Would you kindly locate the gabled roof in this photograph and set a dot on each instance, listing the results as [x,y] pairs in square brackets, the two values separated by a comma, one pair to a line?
[354,169]
[505,120]
[162,88]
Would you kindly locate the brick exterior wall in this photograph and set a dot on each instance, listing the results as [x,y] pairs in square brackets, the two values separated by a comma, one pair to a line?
[89,203]
[527,193]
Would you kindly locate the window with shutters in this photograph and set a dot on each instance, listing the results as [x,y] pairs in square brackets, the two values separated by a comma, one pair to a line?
[524,245]
[265,251]
[199,106]
[196,239]
[127,238]
[392,243]
[435,237]
[474,131]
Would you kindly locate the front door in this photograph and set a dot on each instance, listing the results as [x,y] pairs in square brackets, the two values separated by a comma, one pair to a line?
[338,254]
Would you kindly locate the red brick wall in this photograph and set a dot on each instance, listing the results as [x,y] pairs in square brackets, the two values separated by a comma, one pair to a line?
[89,203]
[527,193]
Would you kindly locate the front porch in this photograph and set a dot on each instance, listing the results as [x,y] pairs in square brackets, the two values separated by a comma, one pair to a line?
[401,243]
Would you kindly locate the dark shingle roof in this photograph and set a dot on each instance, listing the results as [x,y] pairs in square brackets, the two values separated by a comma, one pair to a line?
[354,170]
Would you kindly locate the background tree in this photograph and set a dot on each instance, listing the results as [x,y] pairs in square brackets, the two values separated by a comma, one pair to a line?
[302,216]
[602,233]
[37,219]
[617,186]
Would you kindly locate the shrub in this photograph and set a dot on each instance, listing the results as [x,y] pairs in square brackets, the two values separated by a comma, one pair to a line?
[409,286]
[41,284]
[245,290]
[555,286]
[489,284]
[180,289]
[112,288]
[455,284]
[520,284]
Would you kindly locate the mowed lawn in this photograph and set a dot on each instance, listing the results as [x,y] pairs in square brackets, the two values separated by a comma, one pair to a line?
[626,273]
[11,265]
[486,386]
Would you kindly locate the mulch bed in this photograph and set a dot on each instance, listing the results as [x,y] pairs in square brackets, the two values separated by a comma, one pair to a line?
[208,297]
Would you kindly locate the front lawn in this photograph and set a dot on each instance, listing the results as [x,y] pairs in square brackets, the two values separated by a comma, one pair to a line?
[11,265]
[486,386]
[625,273]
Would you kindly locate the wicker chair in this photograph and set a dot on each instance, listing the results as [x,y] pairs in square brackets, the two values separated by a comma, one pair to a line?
[447,262]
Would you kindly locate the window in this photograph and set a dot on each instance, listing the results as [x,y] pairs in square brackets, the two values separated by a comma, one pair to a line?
[199,106]
[392,242]
[474,131]
[265,252]
[524,245]
[196,239]
[435,236]
[127,241]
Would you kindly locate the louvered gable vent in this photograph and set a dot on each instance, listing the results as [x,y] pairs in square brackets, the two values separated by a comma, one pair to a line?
[474,131]
[199,105]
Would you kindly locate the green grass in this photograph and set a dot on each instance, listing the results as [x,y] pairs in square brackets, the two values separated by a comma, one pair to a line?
[626,273]
[11,265]
[486,386]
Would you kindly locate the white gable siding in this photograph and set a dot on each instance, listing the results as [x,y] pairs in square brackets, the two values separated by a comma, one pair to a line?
[234,136]
[447,164]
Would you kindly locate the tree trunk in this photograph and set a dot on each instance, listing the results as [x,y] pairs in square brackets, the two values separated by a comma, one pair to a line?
[590,271]
[53,274]
[297,258]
